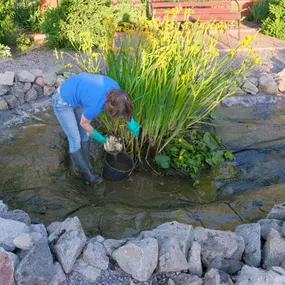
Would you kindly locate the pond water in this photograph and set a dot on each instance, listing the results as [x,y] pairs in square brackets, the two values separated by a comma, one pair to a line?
[35,177]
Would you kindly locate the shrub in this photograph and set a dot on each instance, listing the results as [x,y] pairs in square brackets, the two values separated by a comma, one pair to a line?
[274,25]
[23,43]
[4,51]
[260,11]
[173,74]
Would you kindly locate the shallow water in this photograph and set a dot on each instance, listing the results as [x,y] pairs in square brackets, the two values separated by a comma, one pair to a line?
[34,177]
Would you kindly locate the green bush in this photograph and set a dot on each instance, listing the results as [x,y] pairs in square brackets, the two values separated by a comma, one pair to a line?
[274,25]
[23,43]
[4,51]
[260,11]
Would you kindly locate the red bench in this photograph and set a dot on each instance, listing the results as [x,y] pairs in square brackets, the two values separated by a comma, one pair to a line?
[219,11]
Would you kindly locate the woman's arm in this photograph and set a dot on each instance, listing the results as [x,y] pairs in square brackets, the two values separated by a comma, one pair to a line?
[86,125]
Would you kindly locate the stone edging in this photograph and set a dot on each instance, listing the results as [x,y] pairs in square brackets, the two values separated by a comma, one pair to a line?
[181,254]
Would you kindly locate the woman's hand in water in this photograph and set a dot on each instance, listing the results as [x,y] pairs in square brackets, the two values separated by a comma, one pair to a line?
[134,127]
[98,137]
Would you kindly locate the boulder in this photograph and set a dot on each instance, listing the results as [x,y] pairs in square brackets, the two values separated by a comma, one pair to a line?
[26,76]
[6,269]
[39,228]
[273,250]
[31,95]
[268,224]
[277,212]
[39,89]
[7,78]
[251,234]
[217,277]
[171,257]
[281,84]
[3,104]
[27,86]
[24,241]
[53,227]
[181,232]
[194,259]
[40,82]
[59,276]
[9,230]
[267,84]
[90,272]
[48,90]
[68,241]
[253,80]
[49,78]
[95,254]
[138,258]
[37,266]
[230,266]
[37,72]
[187,279]
[112,244]
[281,73]
[3,207]
[17,215]
[255,276]
[225,245]
[19,92]
[12,101]
[249,87]
[4,89]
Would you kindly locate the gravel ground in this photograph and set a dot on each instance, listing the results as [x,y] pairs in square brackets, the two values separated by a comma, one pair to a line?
[273,61]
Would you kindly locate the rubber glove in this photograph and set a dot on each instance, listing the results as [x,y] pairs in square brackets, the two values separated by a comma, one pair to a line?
[98,137]
[134,127]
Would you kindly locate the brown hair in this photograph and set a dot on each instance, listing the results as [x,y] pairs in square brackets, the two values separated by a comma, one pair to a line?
[119,103]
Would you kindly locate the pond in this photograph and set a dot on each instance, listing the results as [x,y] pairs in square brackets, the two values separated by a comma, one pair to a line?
[35,178]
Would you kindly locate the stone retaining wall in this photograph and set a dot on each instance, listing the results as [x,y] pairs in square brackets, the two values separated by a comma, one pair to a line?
[25,86]
[171,254]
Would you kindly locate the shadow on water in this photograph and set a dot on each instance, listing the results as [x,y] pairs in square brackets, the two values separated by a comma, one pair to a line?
[35,178]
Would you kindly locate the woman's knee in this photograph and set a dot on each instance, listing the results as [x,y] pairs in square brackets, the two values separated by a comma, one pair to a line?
[74,143]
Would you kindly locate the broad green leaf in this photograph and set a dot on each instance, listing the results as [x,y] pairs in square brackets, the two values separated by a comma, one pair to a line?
[210,141]
[163,161]
[228,155]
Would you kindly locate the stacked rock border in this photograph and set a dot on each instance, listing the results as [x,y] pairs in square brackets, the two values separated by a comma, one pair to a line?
[33,254]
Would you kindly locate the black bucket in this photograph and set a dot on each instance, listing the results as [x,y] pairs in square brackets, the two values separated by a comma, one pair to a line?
[117,167]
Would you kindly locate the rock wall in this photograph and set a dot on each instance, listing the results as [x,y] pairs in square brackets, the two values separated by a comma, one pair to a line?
[173,253]
[25,86]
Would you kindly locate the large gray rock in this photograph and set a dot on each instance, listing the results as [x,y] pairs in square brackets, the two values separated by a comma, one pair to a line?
[6,269]
[90,272]
[253,80]
[187,279]
[37,266]
[3,207]
[194,259]
[26,76]
[3,104]
[48,90]
[95,254]
[112,244]
[7,78]
[31,95]
[249,87]
[277,212]
[268,224]
[40,82]
[17,215]
[68,241]
[53,227]
[231,266]
[171,257]
[273,250]
[217,277]
[181,232]
[37,72]
[219,244]
[12,101]
[267,84]
[24,241]
[59,276]
[49,78]
[9,230]
[251,234]
[39,228]
[27,86]
[39,89]
[254,276]
[138,258]
[4,90]
[19,92]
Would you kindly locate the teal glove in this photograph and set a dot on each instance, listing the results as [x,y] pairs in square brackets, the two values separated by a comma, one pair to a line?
[134,127]
[98,137]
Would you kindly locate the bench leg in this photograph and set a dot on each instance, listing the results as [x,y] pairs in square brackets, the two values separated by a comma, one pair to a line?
[227,35]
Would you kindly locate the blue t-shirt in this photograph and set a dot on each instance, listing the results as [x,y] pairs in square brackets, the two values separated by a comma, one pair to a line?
[88,91]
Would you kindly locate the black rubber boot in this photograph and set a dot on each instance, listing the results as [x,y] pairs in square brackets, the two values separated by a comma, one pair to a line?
[85,150]
[78,159]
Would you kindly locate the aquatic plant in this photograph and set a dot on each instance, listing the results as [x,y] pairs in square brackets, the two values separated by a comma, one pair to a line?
[173,72]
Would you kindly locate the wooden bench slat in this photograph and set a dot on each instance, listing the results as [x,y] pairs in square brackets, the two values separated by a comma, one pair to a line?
[197,11]
[191,4]
[203,17]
